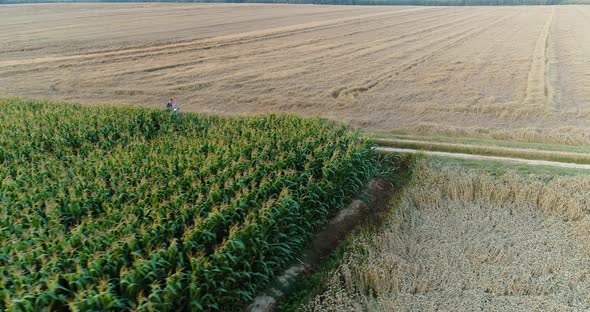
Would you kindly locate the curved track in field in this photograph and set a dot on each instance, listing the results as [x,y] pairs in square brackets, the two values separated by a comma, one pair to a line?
[538,89]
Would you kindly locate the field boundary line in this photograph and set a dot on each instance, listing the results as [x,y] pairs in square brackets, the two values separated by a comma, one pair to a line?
[531,162]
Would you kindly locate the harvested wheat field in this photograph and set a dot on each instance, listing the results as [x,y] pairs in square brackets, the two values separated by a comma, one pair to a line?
[505,71]
[482,243]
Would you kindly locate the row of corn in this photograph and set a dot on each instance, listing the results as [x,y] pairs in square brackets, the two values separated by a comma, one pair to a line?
[105,208]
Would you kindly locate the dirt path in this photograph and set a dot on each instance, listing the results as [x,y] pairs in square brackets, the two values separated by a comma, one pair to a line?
[485,157]
[358,212]
[527,153]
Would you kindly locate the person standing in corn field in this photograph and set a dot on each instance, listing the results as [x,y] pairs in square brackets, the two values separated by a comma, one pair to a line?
[176,109]
[170,104]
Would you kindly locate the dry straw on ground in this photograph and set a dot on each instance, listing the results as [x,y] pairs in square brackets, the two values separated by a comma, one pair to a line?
[465,241]
[515,72]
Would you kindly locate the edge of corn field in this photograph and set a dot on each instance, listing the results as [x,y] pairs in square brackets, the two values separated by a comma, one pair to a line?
[329,178]
[319,263]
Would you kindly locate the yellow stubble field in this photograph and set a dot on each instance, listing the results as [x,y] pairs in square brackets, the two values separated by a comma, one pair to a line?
[506,72]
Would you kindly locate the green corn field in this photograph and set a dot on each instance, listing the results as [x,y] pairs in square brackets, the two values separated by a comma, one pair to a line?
[108,208]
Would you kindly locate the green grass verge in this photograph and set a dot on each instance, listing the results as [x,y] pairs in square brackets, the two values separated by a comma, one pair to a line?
[497,168]
[524,153]
[488,142]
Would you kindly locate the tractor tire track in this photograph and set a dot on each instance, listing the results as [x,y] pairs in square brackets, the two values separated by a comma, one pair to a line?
[188,49]
[538,91]
[313,52]
[396,70]
[353,51]
[220,41]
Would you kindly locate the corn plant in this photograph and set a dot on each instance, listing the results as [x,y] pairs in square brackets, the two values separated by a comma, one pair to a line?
[105,208]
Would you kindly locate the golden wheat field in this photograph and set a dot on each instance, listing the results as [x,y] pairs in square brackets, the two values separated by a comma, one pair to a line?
[482,243]
[423,69]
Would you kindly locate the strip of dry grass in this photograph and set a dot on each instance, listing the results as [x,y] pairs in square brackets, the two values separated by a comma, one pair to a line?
[487,142]
[463,240]
[566,135]
[525,153]
[496,168]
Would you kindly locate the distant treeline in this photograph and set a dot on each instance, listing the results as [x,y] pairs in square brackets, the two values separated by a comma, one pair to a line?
[338,2]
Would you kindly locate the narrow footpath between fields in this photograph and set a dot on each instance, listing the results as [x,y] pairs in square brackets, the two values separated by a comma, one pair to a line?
[477,156]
